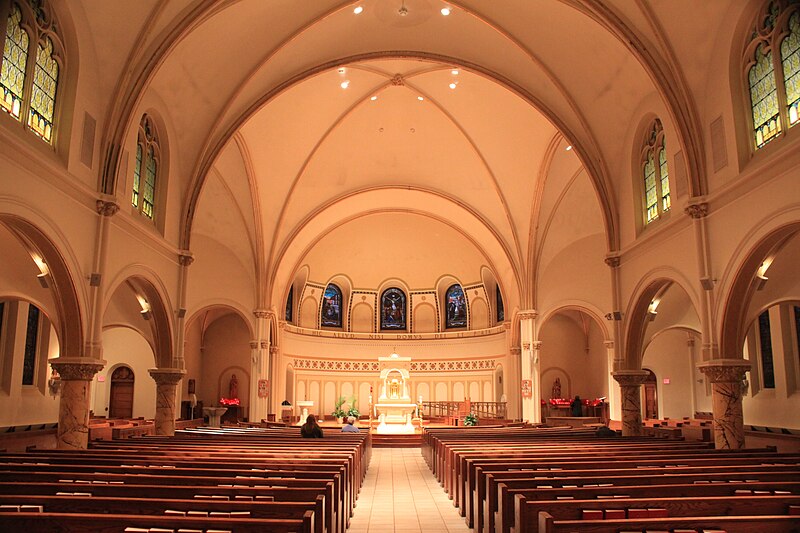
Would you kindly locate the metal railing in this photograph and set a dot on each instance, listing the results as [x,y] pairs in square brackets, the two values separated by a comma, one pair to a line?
[459,409]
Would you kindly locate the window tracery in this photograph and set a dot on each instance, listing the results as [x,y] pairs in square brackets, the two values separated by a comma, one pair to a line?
[29,75]
[147,158]
[655,173]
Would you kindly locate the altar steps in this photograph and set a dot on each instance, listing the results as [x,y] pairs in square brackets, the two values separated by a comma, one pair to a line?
[396,441]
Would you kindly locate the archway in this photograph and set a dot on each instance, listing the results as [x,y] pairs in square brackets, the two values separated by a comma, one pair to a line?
[120,402]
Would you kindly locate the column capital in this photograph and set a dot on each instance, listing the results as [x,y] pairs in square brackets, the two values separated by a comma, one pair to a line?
[725,370]
[167,376]
[698,210]
[273,350]
[537,345]
[612,261]
[254,345]
[528,314]
[77,368]
[263,313]
[630,377]
[185,258]
[609,345]
[106,208]
[515,350]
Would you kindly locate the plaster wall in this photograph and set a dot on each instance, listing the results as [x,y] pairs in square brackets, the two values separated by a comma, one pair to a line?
[670,357]
[125,346]
[225,351]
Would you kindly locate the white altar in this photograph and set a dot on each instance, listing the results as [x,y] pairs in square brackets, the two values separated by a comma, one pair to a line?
[394,406]
[305,405]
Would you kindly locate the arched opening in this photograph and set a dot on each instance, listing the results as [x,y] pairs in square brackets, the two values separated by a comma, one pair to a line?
[650,395]
[120,402]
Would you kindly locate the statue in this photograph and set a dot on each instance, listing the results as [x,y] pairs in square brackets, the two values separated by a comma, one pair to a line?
[556,388]
[233,387]
[394,389]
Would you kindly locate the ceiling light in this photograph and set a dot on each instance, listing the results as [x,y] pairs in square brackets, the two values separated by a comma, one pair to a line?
[420,98]
[568,148]
[454,72]
[344,84]
[374,98]
[453,85]
[341,70]
[358,10]
[445,11]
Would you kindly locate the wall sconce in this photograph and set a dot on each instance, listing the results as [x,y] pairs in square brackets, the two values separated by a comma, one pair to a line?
[761,278]
[652,310]
[146,313]
[44,271]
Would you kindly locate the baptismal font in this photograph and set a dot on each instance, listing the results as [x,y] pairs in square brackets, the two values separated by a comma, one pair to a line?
[394,406]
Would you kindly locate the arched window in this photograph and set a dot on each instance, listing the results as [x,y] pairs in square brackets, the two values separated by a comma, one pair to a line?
[289,304]
[332,307]
[393,309]
[145,171]
[29,74]
[456,307]
[501,312]
[655,173]
[772,70]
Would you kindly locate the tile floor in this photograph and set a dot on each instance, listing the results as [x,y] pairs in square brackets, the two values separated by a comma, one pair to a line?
[401,495]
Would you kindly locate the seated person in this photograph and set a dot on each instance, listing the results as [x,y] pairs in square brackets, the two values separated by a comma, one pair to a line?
[311,430]
[349,427]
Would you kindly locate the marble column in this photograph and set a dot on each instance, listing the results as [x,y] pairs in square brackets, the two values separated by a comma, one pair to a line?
[530,404]
[630,382]
[76,375]
[166,385]
[726,376]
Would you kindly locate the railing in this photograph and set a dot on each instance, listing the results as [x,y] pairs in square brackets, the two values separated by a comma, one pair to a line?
[459,409]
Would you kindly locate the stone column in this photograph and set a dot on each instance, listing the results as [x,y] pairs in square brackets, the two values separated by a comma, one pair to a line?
[526,337]
[630,382]
[536,381]
[73,409]
[726,376]
[166,385]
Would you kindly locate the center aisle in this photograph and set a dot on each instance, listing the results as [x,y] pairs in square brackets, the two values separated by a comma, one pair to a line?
[401,495]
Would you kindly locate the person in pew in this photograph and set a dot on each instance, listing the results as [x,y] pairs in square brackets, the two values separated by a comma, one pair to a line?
[577,407]
[311,430]
[349,427]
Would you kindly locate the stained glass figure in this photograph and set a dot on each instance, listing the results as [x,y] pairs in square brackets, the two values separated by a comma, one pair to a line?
[393,309]
[15,58]
[332,307]
[501,313]
[289,304]
[456,307]
[790,58]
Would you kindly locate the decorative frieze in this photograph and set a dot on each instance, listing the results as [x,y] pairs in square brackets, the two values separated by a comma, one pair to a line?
[373,366]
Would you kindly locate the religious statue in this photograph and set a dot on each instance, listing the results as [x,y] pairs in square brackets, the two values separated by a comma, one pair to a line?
[233,387]
[394,389]
[556,388]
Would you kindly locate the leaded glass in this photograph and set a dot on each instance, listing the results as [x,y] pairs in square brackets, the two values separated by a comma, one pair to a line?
[790,57]
[764,98]
[31,343]
[332,307]
[289,305]
[15,58]
[650,193]
[501,313]
[137,175]
[765,342]
[43,95]
[148,197]
[456,306]
[393,309]
[664,172]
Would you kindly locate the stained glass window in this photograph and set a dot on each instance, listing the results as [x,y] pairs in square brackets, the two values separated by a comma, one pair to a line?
[501,313]
[147,158]
[796,329]
[764,98]
[393,309]
[332,307]
[790,57]
[15,57]
[666,203]
[456,307]
[765,342]
[31,345]
[289,304]
[43,97]
[650,194]
[655,173]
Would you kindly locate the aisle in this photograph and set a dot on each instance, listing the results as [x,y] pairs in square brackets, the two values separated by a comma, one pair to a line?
[401,495]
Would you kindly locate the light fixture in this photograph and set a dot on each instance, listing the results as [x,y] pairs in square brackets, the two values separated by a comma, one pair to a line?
[445,11]
[420,98]
[652,309]
[403,11]
[568,148]
[452,85]
[454,72]
[761,277]
[345,84]
[44,271]
[145,305]
[373,98]
[341,70]
[358,10]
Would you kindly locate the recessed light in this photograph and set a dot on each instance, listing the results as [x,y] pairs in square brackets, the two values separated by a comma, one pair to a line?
[345,84]
[374,98]
[569,147]
[420,98]
[445,11]
[453,85]
[358,10]
[454,72]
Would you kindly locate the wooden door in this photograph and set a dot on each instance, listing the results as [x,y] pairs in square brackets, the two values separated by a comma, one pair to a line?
[650,396]
[121,400]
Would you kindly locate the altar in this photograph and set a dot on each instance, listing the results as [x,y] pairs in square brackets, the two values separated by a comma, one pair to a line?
[394,406]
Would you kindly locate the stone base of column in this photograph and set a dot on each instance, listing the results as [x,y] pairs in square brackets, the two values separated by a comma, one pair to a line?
[76,375]
[726,376]
[166,384]
[630,382]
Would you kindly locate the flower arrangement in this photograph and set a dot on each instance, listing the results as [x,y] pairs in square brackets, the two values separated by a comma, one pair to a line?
[471,420]
[338,412]
[353,411]
[227,402]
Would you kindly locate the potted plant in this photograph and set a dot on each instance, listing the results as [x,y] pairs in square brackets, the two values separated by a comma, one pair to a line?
[471,420]
[338,412]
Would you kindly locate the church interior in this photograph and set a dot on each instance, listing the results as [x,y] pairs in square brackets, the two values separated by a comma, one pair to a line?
[279,207]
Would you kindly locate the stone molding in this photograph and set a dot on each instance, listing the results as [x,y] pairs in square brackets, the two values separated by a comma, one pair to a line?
[167,376]
[612,261]
[254,345]
[77,368]
[698,210]
[725,370]
[374,366]
[630,378]
[262,313]
[106,208]
[185,258]
[515,350]
[528,314]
